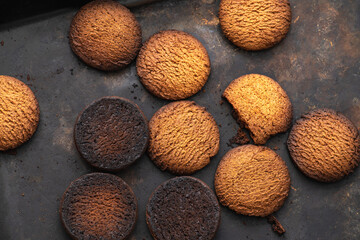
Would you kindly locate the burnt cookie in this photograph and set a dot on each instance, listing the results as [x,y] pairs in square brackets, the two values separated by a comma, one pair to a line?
[252,180]
[324,145]
[255,24]
[261,104]
[173,65]
[98,206]
[111,133]
[183,208]
[105,35]
[183,137]
[19,113]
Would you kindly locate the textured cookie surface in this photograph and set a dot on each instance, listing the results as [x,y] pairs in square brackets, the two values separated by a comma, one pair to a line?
[173,65]
[261,104]
[98,206]
[183,208]
[111,133]
[183,137]
[19,113]
[325,145]
[255,24]
[252,180]
[105,35]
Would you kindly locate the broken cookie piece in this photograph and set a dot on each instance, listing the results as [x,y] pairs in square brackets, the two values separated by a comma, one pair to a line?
[261,104]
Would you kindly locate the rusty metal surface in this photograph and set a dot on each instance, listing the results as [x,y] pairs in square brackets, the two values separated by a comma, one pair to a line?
[133,3]
[317,64]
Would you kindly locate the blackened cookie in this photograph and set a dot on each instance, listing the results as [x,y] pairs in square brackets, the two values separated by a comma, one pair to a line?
[111,133]
[183,137]
[173,65]
[105,35]
[325,145]
[98,206]
[252,180]
[183,208]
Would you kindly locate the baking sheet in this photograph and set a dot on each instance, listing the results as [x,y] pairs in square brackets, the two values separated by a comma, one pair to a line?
[317,65]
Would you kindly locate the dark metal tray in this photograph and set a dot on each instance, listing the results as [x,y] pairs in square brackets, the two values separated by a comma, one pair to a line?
[317,64]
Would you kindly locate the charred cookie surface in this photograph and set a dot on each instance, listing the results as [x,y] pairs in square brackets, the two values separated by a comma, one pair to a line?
[111,133]
[183,208]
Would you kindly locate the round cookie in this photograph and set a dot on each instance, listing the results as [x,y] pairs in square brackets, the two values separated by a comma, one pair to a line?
[98,206]
[325,145]
[183,208]
[255,24]
[111,133]
[19,113]
[252,180]
[261,104]
[173,65]
[105,35]
[183,137]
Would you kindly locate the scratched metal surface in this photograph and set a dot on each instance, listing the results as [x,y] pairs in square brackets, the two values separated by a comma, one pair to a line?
[317,64]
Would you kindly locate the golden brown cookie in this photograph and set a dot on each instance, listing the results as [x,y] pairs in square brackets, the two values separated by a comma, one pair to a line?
[19,113]
[173,65]
[252,180]
[325,145]
[105,35]
[261,104]
[255,24]
[98,206]
[183,137]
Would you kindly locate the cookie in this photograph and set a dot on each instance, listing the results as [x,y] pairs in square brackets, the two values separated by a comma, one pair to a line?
[98,206]
[183,138]
[111,133]
[105,35]
[19,113]
[325,145]
[183,208]
[252,180]
[255,24]
[261,104]
[173,65]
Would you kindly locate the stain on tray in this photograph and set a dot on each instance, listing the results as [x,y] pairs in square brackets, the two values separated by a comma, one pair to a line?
[59,70]
[11,152]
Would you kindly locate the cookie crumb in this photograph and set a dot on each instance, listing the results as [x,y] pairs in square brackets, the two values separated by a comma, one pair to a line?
[240,138]
[276,225]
